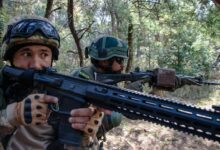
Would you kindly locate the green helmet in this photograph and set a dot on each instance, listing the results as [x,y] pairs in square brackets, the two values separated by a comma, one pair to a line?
[107,47]
[29,30]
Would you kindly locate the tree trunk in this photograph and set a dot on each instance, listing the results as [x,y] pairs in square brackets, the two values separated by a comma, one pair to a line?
[149,54]
[118,21]
[70,13]
[1,30]
[111,8]
[130,47]
[215,64]
[1,20]
[48,8]
[217,3]
[1,4]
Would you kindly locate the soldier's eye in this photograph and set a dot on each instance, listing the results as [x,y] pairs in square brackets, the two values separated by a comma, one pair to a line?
[26,54]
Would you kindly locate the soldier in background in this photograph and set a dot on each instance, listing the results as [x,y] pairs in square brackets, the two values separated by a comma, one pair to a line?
[107,55]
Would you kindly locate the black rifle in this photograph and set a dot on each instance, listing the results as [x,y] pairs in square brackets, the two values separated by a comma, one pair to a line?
[165,79]
[76,93]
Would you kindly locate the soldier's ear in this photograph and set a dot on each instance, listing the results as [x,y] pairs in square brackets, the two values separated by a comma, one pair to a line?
[87,52]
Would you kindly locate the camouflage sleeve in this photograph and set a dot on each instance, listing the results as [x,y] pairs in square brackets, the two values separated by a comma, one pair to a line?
[109,122]
[81,73]
[2,99]
[75,73]
[5,127]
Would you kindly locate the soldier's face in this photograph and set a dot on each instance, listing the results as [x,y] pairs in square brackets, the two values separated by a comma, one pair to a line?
[33,57]
[117,66]
[114,64]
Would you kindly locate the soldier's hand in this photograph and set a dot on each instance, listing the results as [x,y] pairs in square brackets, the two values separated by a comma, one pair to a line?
[87,120]
[32,110]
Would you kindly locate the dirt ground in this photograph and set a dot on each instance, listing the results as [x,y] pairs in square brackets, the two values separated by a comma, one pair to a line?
[142,135]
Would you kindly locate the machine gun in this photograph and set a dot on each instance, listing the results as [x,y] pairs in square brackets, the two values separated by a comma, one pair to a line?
[76,93]
[165,79]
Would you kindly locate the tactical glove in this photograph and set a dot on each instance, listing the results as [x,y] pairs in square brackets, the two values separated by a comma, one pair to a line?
[92,127]
[33,110]
[94,123]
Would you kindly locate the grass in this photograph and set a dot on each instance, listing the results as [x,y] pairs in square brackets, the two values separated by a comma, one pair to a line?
[142,135]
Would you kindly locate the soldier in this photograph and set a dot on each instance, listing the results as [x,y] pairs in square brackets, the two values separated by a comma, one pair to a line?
[33,43]
[107,55]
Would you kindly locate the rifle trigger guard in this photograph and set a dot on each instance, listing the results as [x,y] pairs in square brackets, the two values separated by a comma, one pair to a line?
[54,107]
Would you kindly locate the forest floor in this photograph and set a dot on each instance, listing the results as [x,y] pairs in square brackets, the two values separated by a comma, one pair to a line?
[142,135]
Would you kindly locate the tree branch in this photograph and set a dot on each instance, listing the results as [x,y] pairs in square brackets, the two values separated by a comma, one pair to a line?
[70,12]
[86,29]
[55,9]
[48,8]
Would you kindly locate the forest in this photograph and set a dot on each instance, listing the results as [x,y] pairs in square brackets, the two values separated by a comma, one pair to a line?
[179,34]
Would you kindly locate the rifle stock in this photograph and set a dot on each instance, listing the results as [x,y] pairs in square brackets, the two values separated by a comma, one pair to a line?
[76,93]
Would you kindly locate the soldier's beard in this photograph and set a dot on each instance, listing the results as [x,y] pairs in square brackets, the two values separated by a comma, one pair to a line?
[108,69]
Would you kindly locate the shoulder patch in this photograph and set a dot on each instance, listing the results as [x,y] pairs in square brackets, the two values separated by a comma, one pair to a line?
[82,74]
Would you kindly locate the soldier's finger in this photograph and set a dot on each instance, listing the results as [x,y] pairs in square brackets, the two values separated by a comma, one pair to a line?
[78,126]
[106,111]
[50,99]
[82,112]
[79,119]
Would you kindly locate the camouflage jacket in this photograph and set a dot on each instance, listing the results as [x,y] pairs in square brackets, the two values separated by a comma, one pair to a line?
[109,121]
[14,136]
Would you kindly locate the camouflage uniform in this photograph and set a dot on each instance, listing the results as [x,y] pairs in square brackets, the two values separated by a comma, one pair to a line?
[103,48]
[109,121]
[15,136]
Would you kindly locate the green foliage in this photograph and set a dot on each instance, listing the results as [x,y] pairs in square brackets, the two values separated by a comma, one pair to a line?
[181,34]
[4,17]
[178,39]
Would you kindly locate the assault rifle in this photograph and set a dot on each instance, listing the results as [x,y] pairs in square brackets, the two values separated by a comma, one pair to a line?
[76,93]
[165,79]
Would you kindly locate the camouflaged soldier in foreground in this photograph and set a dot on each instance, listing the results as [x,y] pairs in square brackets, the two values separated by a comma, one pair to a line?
[33,43]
